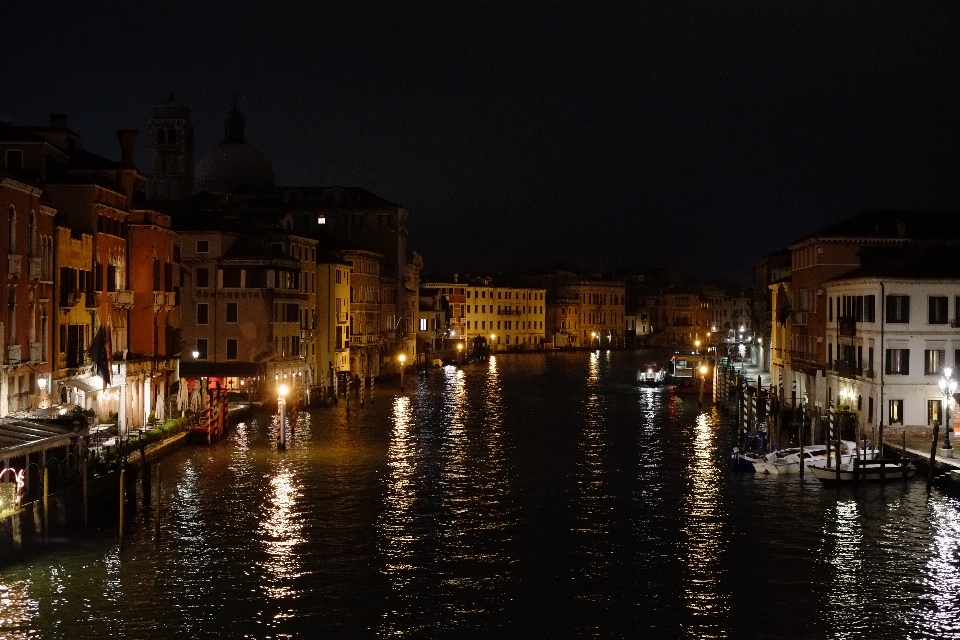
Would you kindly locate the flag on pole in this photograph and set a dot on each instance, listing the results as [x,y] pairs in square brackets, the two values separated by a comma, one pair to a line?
[99,353]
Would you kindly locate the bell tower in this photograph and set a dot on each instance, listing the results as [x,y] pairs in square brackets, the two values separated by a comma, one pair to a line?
[171,152]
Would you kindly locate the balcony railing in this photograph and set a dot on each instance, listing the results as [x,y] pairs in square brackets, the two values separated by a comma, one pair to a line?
[159,300]
[14,262]
[36,268]
[36,352]
[171,299]
[70,299]
[122,299]
[13,353]
[847,369]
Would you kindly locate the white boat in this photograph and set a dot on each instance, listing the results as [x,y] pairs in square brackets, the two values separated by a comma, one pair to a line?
[651,374]
[876,470]
[787,461]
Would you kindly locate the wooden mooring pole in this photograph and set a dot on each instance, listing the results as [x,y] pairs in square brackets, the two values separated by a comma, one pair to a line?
[123,484]
[933,453]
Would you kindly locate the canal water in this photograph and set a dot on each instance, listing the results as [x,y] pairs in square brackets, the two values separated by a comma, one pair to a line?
[538,496]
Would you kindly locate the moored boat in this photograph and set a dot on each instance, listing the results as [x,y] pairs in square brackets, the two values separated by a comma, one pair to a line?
[877,470]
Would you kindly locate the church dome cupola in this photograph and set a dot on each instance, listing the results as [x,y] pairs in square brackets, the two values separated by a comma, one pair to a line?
[233,166]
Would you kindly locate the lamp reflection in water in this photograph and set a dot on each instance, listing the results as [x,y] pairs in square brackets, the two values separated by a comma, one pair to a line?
[282,529]
[703,526]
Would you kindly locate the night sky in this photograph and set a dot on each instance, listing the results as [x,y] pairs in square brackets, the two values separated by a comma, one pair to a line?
[698,135]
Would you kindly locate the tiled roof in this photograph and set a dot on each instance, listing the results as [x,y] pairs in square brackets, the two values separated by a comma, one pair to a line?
[919,261]
[892,224]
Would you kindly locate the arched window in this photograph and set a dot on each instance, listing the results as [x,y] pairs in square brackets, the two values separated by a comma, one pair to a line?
[12,220]
[33,234]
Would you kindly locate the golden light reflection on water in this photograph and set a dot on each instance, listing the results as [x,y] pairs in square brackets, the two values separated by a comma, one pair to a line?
[703,527]
[17,609]
[594,513]
[282,530]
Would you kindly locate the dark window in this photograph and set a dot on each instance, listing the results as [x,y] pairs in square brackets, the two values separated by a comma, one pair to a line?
[830,310]
[898,309]
[937,310]
[231,312]
[898,362]
[256,278]
[98,277]
[203,277]
[896,412]
[111,278]
[203,246]
[156,275]
[167,276]
[231,349]
[870,308]
[203,313]
[201,349]
[870,409]
[14,160]
[933,361]
[231,277]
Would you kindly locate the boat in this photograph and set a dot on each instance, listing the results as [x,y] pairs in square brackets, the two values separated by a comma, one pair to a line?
[651,374]
[876,470]
[753,456]
[787,461]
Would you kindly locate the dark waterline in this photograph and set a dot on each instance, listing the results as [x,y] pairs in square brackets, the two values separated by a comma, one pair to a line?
[539,496]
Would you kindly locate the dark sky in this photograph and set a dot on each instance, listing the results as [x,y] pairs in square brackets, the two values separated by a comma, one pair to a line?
[701,135]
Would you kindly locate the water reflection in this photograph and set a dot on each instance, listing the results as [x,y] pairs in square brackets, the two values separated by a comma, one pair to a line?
[595,513]
[282,530]
[17,609]
[704,529]
[941,582]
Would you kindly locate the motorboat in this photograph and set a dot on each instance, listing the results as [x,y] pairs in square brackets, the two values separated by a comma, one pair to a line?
[858,470]
[787,461]
[755,455]
[754,458]
[651,374]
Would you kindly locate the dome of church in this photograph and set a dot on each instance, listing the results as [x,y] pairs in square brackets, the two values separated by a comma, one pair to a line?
[233,166]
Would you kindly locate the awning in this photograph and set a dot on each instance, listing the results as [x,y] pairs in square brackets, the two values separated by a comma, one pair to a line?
[90,384]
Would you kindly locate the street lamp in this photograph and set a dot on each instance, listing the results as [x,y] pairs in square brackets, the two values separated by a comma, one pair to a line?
[703,377]
[403,359]
[948,386]
[196,354]
[282,427]
[696,343]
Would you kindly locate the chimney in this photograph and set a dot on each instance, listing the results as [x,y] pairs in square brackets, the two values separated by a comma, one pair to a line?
[128,140]
[58,121]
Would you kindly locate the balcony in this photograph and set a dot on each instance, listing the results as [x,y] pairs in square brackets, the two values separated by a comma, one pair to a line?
[69,300]
[343,317]
[36,352]
[36,268]
[847,369]
[171,301]
[122,299]
[306,335]
[14,261]
[13,353]
[159,300]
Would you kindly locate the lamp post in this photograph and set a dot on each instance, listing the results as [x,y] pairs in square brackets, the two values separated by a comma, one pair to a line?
[403,359]
[948,387]
[196,354]
[282,427]
[703,376]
